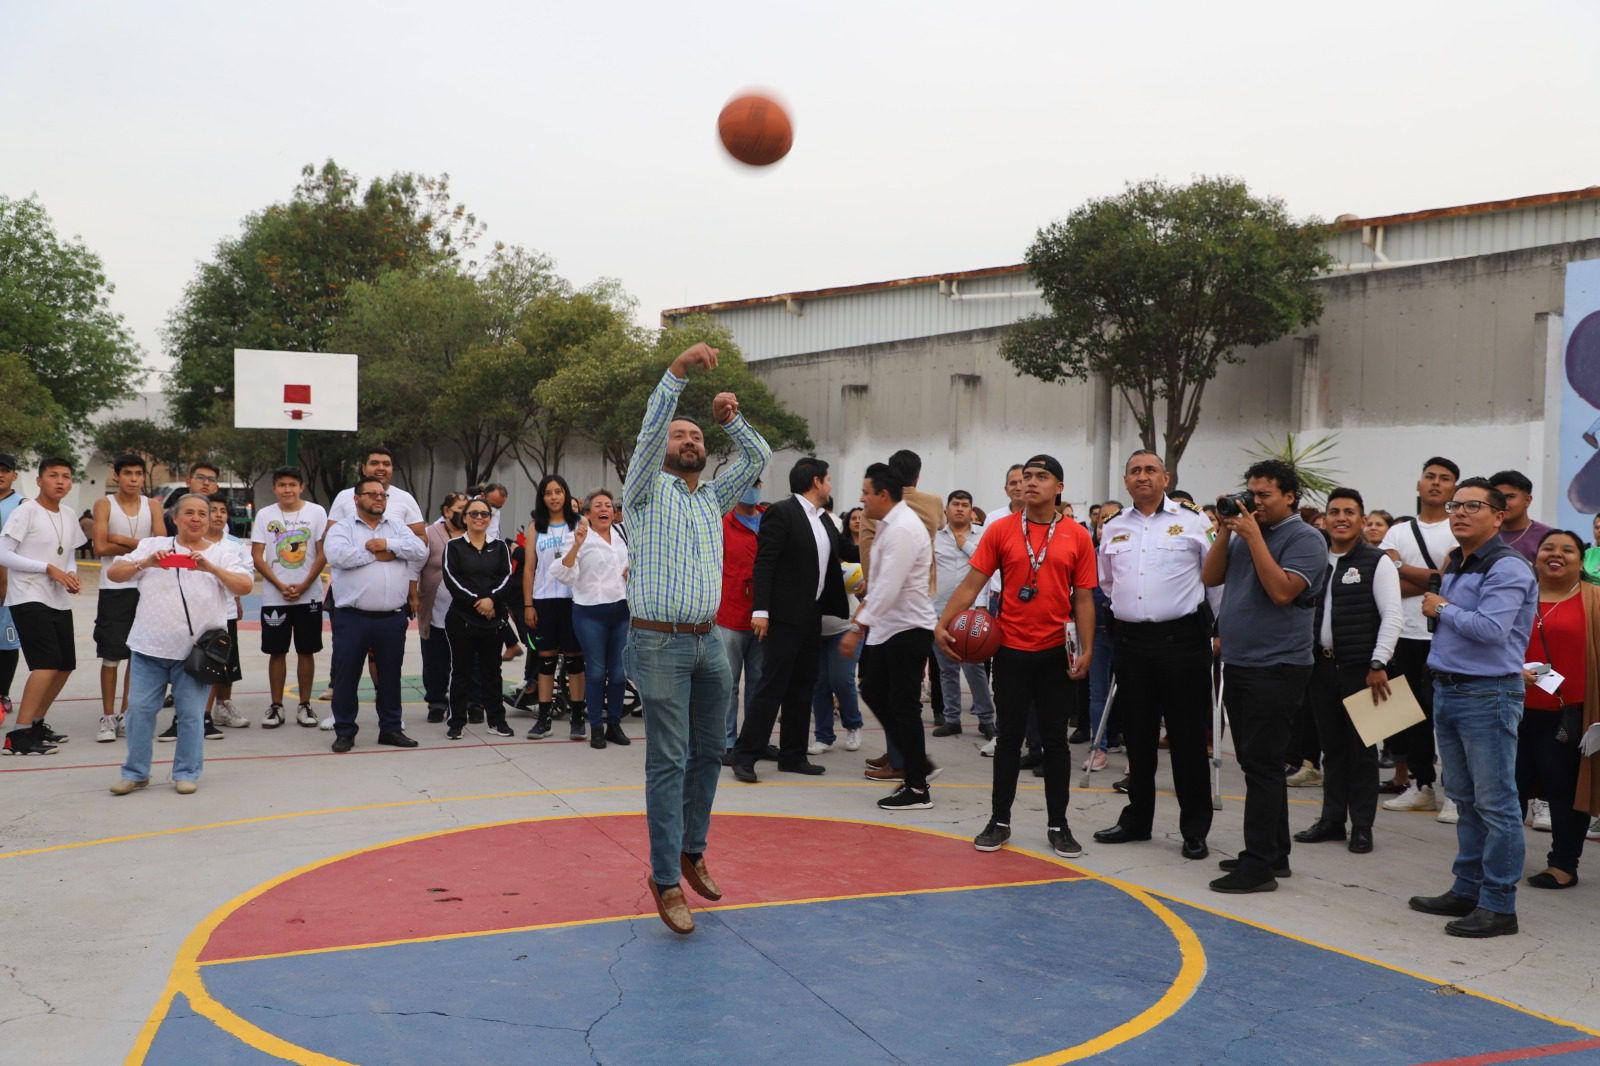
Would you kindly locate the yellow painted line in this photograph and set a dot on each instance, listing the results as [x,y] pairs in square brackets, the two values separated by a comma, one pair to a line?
[1426,978]
[186,976]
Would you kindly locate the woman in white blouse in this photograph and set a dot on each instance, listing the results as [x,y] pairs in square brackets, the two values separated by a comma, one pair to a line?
[595,565]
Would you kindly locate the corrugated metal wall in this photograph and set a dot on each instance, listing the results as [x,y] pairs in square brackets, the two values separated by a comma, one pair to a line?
[1502,231]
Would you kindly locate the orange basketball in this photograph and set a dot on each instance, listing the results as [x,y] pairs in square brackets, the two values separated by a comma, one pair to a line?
[755,130]
[976,634]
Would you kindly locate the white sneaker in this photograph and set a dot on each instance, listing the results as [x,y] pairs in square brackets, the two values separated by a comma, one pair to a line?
[122,727]
[1539,815]
[1304,777]
[1594,830]
[1447,812]
[817,747]
[1413,799]
[987,751]
[852,740]
[108,729]
[326,725]
[304,715]
[225,714]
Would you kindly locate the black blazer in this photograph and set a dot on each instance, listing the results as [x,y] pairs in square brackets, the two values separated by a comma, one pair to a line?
[785,580]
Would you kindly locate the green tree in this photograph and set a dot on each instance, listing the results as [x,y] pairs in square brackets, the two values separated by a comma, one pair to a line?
[31,422]
[157,443]
[55,312]
[1154,288]
[283,283]
[604,387]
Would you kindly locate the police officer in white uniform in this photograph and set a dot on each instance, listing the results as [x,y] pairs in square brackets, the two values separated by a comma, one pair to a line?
[1150,559]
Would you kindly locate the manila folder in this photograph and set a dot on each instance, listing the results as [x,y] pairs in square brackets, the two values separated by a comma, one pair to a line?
[1378,722]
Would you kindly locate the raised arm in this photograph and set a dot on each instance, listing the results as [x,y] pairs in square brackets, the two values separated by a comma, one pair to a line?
[754,451]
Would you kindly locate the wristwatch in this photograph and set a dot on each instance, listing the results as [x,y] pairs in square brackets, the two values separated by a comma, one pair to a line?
[1378,664]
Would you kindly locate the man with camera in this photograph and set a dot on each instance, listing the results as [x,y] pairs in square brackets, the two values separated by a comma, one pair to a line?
[1271,565]
[1483,619]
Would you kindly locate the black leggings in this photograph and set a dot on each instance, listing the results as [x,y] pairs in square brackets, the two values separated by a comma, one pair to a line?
[8,671]
[474,669]
[1549,771]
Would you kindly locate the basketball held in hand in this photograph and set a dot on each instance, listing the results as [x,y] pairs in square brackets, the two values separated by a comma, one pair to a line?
[755,130]
[976,634]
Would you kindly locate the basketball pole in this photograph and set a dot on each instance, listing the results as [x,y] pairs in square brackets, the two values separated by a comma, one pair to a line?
[292,449]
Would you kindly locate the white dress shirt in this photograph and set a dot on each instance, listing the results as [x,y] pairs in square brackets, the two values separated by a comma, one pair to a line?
[1150,564]
[1385,592]
[897,595]
[360,579]
[815,516]
[598,575]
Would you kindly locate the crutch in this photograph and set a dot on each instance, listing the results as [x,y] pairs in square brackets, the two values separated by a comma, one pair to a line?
[1100,732]
[1216,746]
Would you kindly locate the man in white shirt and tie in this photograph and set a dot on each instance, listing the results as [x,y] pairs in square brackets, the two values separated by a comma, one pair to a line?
[371,557]
[898,620]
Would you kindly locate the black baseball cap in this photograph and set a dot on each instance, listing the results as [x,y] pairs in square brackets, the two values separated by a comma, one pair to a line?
[1048,464]
[8,461]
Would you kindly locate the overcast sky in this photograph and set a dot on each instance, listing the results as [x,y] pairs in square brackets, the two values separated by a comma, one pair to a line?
[929,137]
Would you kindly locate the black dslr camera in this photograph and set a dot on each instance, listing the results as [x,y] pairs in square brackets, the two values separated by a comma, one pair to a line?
[1235,504]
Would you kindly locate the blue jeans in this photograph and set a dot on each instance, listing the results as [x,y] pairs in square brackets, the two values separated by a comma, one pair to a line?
[1100,681]
[950,674]
[602,632]
[148,678]
[744,657]
[836,676]
[683,682]
[1476,722]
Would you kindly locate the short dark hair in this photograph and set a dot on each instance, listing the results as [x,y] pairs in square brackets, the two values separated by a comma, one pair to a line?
[908,464]
[376,449]
[958,494]
[125,460]
[1143,451]
[1497,499]
[1579,541]
[1013,468]
[52,461]
[217,497]
[363,482]
[495,486]
[288,471]
[1439,460]
[692,421]
[1349,494]
[1278,472]
[1515,478]
[1181,494]
[884,478]
[204,464]
[804,473]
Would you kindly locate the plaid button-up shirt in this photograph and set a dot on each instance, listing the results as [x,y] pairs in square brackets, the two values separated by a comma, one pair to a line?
[675,535]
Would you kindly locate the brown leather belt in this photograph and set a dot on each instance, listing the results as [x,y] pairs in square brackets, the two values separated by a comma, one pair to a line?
[698,629]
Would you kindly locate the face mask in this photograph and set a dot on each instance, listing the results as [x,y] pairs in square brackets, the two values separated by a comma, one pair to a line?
[458,522]
[751,497]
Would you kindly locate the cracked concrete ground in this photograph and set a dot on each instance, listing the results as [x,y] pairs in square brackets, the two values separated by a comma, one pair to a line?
[96,918]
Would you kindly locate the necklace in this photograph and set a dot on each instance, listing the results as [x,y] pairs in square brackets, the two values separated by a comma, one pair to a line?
[1564,596]
[1512,543]
[60,526]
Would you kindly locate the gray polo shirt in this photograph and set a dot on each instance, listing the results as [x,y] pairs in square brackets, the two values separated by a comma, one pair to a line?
[1254,630]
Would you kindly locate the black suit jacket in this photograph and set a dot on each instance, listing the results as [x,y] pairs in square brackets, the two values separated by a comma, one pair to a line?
[785,581]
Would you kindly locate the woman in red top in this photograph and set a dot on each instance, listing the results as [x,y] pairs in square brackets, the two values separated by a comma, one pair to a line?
[1564,630]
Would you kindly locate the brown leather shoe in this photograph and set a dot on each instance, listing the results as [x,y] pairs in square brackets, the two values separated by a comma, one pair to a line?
[699,878]
[879,760]
[673,908]
[885,773]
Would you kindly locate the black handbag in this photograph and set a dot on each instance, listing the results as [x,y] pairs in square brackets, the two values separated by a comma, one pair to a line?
[208,660]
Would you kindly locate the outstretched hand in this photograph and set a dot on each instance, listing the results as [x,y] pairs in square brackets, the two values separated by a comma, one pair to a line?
[699,356]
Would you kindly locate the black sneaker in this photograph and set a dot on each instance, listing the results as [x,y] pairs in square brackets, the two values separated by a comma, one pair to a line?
[474,715]
[525,699]
[580,727]
[170,733]
[1064,844]
[454,732]
[500,729]
[541,725]
[906,798]
[48,735]
[986,729]
[212,732]
[436,713]
[993,836]
[273,718]
[26,742]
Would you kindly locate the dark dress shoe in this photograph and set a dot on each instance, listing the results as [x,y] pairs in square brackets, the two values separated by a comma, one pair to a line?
[727,757]
[1195,848]
[615,735]
[1390,788]
[1361,839]
[343,744]
[1545,879]
[1320,832]
[1238,883]
[396,739]
[597,740]
[1121,786]
[947,729]
[1483,923]
[1038,769]
[986,730]
[1031,759]
[804,766]
[1118,834]
[745,772]
[1079,735]
[771,754]
[1281,871]
[1448,905]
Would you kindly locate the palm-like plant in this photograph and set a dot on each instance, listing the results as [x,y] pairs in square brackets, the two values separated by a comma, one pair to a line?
[1311,462]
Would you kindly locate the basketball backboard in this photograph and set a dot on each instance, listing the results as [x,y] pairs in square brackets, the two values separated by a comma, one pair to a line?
[293,390]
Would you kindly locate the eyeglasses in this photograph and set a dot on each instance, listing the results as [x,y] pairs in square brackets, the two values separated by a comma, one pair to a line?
[379,495]
[204,477]
[477,514]
[1469,506]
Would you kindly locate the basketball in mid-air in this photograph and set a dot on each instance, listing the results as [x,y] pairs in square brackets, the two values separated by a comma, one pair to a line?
[755,130]
[976,634]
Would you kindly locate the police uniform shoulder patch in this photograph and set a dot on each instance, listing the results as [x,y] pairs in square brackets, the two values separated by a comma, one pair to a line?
[1190,505]
[1121,537]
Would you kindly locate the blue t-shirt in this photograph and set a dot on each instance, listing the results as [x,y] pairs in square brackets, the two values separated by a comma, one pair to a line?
[1254,630]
